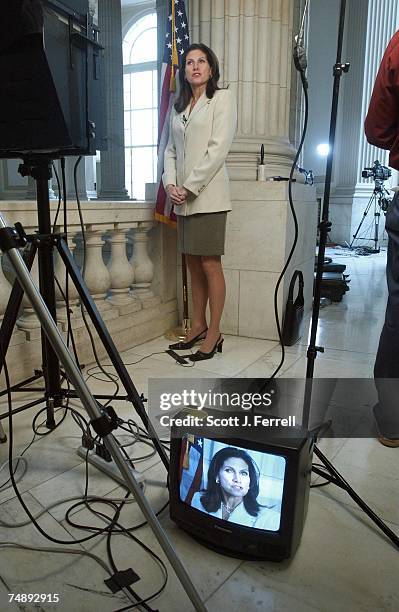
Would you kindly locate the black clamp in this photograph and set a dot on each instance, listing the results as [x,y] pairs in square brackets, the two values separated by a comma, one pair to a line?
[312,351]
[107,422]
[11,238]
[340,68]
[325,226]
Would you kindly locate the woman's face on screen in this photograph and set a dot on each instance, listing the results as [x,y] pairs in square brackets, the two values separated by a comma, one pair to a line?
[234,477]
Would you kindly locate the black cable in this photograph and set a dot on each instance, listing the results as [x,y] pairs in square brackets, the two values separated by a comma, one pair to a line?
[98,531]
[49,431]
[111,365]
[300,64]
[75,169]
[70,334]
[59,196]
[111,529]
[114,523]
[114,528]
[14,484]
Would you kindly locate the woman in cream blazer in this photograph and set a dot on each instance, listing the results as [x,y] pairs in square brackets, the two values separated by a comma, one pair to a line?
[202,128]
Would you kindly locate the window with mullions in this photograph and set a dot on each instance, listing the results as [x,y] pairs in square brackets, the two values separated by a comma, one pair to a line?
[141,104]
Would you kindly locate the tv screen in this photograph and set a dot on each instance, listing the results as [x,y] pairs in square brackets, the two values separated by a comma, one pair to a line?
[244,496]
[234,484]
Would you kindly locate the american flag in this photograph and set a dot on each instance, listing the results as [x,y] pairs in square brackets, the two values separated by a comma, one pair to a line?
[191,466]
[176,43]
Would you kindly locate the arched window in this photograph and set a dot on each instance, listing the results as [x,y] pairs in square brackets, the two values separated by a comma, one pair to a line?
[141,104]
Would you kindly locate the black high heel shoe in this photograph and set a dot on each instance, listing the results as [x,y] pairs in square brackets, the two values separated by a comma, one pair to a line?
[183,346]
[200,355]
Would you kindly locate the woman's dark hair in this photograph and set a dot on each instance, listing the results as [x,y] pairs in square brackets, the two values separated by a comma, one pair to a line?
[185,88]
[212,498]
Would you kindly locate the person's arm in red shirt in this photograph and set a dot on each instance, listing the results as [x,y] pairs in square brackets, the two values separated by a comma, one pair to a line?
[382,121]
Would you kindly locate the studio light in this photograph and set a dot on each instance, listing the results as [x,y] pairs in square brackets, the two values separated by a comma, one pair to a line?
[323,149]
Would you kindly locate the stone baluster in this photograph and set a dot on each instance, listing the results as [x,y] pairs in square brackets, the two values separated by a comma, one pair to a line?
[73,295]
[121,272]
[143,266]
[96,274]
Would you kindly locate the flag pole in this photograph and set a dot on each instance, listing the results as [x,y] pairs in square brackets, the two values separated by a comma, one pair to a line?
[186,320]
[180,332]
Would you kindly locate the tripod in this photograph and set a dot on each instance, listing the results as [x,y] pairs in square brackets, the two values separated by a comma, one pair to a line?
[379,199]
[103,421]
[39,166]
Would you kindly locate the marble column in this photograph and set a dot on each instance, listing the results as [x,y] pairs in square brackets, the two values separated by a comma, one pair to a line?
[80,178]
[253,41]
[112,160]
[369,27]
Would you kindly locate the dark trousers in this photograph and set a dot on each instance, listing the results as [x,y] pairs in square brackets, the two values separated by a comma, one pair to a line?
[386,368]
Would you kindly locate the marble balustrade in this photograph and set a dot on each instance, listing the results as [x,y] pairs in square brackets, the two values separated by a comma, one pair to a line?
[122,244]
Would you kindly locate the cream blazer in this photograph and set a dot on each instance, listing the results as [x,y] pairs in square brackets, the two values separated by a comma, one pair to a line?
[196,153]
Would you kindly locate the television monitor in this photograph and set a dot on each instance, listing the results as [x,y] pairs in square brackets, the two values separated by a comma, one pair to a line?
[53,99]
[246,497]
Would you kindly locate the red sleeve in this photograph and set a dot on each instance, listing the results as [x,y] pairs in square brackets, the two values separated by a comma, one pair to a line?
[382,121]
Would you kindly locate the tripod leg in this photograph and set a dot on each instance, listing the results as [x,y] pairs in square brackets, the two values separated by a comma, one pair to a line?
[377,216]
[109,345]
[63,354]
[41,172]
[359,501]
[10,318]
[362,221]
[12,309]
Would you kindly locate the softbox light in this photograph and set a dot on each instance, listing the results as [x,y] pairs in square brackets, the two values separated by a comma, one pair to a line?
[52,97]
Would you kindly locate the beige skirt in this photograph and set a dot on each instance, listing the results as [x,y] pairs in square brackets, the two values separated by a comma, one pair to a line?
[202,234]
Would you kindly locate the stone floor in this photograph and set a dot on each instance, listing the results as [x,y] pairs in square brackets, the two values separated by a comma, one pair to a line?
[344,563]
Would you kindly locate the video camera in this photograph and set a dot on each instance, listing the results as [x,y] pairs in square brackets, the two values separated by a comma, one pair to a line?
[377,172]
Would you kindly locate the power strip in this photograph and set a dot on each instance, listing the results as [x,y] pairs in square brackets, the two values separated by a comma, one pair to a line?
[109,467]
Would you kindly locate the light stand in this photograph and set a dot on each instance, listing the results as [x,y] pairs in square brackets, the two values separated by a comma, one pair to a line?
[325,224]
[324,228]
[102,420]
